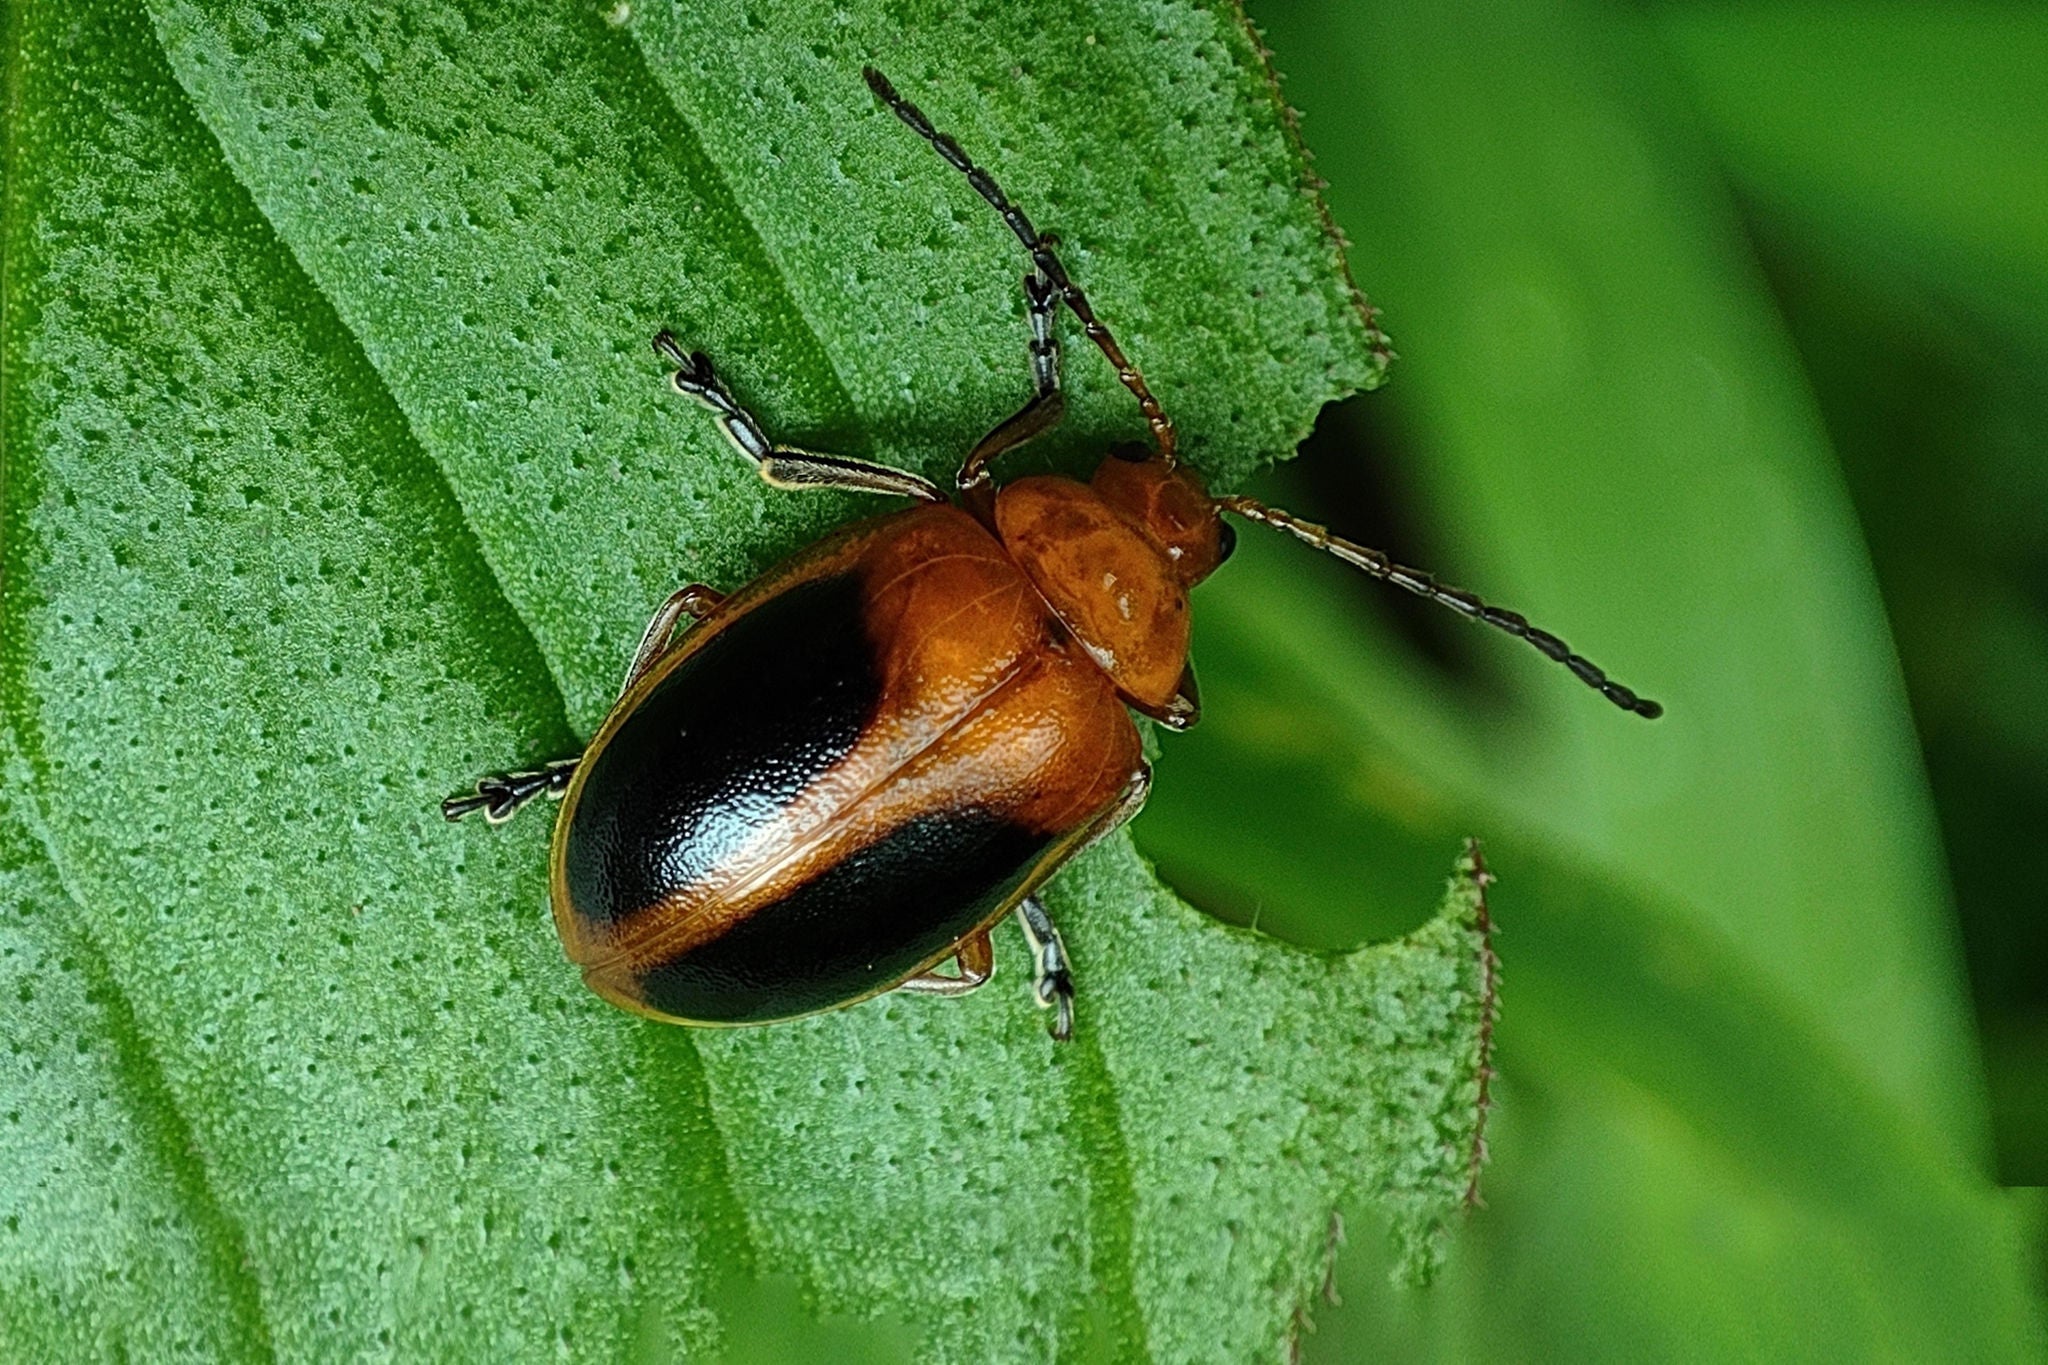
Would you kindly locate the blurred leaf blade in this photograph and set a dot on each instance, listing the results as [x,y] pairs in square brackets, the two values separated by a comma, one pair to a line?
[1694,539]
[1915,130]
[1684,1164]
[1874,197]
[314,510]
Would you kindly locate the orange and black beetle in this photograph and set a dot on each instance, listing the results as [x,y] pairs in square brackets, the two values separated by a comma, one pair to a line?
[844,774]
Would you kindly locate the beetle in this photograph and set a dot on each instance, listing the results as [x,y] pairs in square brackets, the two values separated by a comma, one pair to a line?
[845,774]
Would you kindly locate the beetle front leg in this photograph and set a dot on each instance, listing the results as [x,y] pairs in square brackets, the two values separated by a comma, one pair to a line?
[1052,975]
[1050,274]
[1040,413]
[501,794]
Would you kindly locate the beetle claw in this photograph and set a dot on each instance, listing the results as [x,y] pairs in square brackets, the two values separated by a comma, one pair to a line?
[457,807]
[500,795]
[1056,992]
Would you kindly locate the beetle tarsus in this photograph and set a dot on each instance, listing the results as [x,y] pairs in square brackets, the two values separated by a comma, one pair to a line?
[500,795]
[1052,976]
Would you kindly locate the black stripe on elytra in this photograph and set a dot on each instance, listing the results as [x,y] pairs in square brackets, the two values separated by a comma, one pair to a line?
[721,746]
[861,924]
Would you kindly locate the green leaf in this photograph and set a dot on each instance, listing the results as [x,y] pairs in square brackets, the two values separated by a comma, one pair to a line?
[1738,1115]
[1685,1165]
[105,1204]
[337,471]
[1890,169]
[1610,432]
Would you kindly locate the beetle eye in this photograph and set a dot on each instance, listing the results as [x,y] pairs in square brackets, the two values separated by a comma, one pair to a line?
[1226,541]
[1132,452]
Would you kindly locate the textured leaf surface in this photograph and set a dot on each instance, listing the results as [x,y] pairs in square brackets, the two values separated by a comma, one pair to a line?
[337,470]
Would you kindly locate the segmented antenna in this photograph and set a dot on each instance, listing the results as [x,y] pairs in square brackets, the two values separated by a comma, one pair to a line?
[1457,599]
[1040,247]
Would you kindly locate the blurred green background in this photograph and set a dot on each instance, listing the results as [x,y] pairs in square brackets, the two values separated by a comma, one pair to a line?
[1724,331]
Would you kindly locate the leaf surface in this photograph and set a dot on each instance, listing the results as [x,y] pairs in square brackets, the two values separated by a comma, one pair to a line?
[337,471]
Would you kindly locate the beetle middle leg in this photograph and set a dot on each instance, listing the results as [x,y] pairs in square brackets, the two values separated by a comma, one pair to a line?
[501,794]
[1052,974]
[976,961]
[696,601]
[783,466]
[1052,971]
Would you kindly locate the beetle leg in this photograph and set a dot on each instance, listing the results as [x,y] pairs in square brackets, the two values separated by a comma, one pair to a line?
[1044,260]
[1034,419]
[783,466]
[1127,805]
[977,963]
[1186,707]
[1041,302]
[1052,977]
[1040,413]
[1182,709]
[1052,971]
[500,794]
[697,601]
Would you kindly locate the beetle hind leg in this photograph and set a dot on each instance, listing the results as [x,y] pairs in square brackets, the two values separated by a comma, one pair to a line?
[976,964]
[500,795]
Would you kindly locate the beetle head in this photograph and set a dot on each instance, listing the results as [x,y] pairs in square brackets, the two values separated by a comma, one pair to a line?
[1169,501]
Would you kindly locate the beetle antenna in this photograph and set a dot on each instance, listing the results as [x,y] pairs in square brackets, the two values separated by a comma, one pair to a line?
[1457,599]
[1042,256]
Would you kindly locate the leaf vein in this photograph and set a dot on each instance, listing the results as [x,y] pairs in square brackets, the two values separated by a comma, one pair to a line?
[423,457]
[145,1092]
[690,1078]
